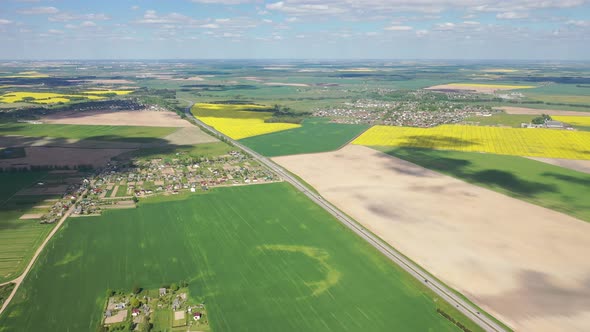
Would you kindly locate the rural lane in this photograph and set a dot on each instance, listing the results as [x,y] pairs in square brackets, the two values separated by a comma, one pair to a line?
[18,281]
[413,269]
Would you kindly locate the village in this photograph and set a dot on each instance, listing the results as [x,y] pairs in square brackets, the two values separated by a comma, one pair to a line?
[164,309]
[121,184]
[413,113]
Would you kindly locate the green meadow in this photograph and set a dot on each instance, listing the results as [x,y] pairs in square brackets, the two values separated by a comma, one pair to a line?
[550,186]
[97,132]
[264,257]
[315,135]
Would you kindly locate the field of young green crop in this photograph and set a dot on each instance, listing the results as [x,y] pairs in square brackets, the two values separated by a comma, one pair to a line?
[18,238]
[99,132]
[316,135]
[546,185]
[264,257]
[502,119]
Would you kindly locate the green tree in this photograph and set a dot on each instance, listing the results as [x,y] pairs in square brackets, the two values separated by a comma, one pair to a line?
[135,303]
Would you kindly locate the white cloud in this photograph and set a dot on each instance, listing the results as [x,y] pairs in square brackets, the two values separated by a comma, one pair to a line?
[39,11]
[398,28]
[512,15]
[88,24]
[55,32]
[578,23]
[223,2]
[210,26]
[4,21]
[66,17]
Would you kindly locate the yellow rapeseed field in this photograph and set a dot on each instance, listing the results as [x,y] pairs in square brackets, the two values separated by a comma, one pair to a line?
[510,141]
[104,92]
[236,121]
[28,74]
[493,86]
[41,97]
[573,120]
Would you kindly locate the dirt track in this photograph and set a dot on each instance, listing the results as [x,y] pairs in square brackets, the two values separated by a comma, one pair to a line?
[524,264]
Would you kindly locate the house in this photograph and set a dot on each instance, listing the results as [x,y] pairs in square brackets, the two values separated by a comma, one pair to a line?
[120,306]
[197,316]
[554,124]
[162,291]
[135,312]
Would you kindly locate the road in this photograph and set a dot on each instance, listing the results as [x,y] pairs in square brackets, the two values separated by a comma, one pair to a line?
[416,271]
[18,281]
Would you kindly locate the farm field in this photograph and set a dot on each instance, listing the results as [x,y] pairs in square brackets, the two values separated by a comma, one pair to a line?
[501,119]
[480,88]
[457,232]
[291,267]
[509,141]
[119,118]
[542,184]
[542,109]
[18,238]
[315,135]
[42,97]
[583,121]
[106,92]
[238,121]
[98,132]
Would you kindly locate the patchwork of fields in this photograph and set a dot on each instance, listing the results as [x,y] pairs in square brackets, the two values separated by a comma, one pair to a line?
[509,141]
[291,267]
[18,238]
[238,121]
[315,135]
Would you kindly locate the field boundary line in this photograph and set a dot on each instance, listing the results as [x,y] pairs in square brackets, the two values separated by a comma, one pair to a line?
[460,304]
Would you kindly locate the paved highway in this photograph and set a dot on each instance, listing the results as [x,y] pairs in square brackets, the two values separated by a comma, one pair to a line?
[417,272]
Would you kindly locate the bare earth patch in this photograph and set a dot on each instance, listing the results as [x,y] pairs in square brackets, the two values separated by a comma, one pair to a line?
[190,135]
[533,111]
[119,118]
[119,317]
[474,88]
[576,165]
[524,264]
[286,84]
[28,216]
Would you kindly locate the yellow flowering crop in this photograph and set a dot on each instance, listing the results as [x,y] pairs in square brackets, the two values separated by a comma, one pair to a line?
[42,97]
[573,120]
[236,121]
[510,141]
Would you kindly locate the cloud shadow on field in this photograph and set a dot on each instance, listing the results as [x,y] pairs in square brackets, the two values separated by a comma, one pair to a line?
[462,169]
[436,141]
[538,296]
[575,180]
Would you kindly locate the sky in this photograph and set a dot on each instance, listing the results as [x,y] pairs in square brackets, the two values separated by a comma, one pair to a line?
[295,29]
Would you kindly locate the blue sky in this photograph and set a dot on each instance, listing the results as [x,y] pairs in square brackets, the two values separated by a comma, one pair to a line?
[326,29]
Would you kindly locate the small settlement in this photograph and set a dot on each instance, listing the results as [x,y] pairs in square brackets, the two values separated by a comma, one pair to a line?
[164,309]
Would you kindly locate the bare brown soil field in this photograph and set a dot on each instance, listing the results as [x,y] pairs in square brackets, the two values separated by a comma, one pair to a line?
[533,111]
[189,135]
[524,264]
[286,84]
[28,216]
[120,118]
[576,165]
[474,88]
[60,156]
